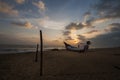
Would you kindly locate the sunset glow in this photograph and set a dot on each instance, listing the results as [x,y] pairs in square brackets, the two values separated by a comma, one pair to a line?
[72,21]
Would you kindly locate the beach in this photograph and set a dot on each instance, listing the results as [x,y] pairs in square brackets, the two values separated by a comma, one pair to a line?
[96,64]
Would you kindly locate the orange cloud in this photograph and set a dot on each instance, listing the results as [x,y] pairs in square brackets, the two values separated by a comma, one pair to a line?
[40,5]
[25,24]
[7,9]
[20,1]
[28,25]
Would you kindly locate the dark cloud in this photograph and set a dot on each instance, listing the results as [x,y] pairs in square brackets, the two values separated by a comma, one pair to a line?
[66,33]
[69,38]
[87,14]
[78,26]
[108,8]
[90,32]
[113,27]
[104,10]
[81,38]
[74,26]
[106,40]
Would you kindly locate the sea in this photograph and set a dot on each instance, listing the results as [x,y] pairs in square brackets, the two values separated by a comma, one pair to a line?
[11,49]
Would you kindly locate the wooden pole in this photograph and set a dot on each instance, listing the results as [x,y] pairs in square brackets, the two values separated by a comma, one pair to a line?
[41,54]
[36,56]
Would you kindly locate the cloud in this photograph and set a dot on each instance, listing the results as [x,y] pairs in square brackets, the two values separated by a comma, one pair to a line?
[108,8]
[7,9]
[70,31]
[93,33]
[108,37]
[40,5]
[66,33]
[46,22]
[113,27]
[24,24]
[73,26]
[78,26]
[71,34]
[69,38]
[98,20]
[104,10]
[20,1]
[81,38]
[91,21]
[106,40]
[86,16]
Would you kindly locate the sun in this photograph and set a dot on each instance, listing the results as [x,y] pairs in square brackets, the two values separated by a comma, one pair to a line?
[76,41]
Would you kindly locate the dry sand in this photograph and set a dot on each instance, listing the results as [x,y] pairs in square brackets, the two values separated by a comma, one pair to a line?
[98,64]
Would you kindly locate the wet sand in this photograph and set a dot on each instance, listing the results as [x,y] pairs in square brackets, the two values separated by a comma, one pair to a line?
[98,64]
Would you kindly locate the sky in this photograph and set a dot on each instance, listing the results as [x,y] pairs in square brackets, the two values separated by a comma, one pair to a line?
[72,21]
